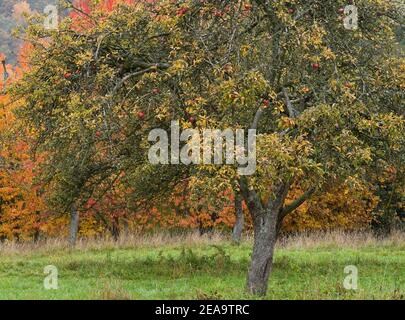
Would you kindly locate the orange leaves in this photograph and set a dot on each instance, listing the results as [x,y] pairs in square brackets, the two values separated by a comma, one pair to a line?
[82,6]
[342,207]
[20,9]
[8,193]
[21,209]
[109,5]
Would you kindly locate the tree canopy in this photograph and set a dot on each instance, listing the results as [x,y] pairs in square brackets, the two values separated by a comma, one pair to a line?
[326,101]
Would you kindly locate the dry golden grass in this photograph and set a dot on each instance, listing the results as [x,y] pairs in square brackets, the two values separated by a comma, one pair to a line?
[135,240]
[344,239]
[191,239]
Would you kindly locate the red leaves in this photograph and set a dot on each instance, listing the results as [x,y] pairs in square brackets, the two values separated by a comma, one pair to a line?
[109,5]
[83,5]
[182,11]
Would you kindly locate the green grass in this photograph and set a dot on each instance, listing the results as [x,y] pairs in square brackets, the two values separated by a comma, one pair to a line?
[202,271]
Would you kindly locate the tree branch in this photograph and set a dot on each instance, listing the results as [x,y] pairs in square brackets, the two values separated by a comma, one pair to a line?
[297,203]
[82,12]
[150,67]
[256,120]
[251,198]
[291,111]
[142,64]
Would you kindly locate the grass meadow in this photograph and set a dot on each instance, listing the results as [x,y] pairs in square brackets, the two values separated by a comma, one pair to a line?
[307,266]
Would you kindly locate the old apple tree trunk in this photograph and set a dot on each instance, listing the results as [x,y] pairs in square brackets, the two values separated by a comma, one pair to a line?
[266,218]
[74,225]
[240,220]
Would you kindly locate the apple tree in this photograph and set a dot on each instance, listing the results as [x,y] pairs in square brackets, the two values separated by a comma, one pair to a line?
[325,100]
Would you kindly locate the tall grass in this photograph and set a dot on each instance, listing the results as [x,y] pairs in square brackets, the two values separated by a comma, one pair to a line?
[303,240]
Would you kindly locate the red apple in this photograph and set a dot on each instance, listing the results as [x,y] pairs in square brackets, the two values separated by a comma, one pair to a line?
[315,66]
[91,202]
[218,14]
[248,7]
[141,115]
[67,75]
[192,120]
[291,11]
[266,102]
[98,134]
[341,10]
[155,90]
[182,11]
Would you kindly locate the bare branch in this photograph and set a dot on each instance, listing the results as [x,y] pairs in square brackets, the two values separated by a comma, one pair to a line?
[297,203]
[82,12]
[150,67]
[291,111]
[256,120]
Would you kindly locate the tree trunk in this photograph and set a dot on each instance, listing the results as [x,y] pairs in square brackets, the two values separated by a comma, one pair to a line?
[115,229]
[74,225]
[265,218]
[240,220]
[265,237]
[125,227]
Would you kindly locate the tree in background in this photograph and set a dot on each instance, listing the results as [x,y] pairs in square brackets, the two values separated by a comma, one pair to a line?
[11,15]
[22,210]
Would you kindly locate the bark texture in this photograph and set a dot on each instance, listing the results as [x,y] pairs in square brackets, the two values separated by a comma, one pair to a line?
[240,220]
[265,221]
[74,226]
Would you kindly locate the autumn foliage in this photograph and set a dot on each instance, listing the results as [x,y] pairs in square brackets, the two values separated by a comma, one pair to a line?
[26,215]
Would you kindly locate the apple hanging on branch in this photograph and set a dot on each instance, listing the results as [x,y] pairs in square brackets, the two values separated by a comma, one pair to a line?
[141,115]
[266,103]
[315,66]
